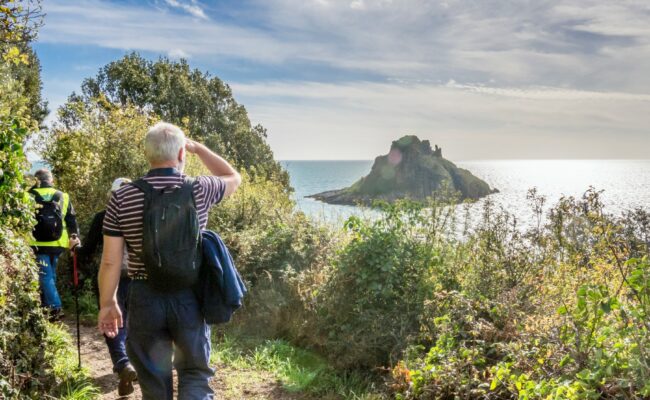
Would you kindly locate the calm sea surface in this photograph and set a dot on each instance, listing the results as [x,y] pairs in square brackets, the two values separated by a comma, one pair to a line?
[626,183]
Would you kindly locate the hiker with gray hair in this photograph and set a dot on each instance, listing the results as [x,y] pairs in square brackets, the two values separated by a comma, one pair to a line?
[54,232]
[159,218]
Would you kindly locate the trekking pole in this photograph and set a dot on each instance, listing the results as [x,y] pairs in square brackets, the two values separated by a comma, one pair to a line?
[75,291]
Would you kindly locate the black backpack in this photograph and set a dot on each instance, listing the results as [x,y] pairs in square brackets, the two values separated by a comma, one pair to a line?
[49,217]
[171,238]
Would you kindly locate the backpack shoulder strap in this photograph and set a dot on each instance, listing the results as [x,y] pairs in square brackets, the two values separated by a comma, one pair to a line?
[144,186]
[57,198]
[37,196]
[188,188]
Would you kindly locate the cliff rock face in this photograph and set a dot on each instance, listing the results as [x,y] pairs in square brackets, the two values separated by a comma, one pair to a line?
[412,169]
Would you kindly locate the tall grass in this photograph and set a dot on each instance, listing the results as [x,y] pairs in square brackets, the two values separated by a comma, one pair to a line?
[72,383]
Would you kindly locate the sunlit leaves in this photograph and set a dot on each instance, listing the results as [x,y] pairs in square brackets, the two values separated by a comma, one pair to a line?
[104,142]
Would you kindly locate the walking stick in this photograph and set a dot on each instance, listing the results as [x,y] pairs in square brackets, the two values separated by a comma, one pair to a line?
[75,280]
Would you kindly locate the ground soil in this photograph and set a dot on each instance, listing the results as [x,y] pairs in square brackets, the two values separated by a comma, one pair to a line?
[228,383]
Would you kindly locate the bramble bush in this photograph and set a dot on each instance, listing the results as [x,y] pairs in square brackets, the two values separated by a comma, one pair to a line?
[569,320]
[23,327]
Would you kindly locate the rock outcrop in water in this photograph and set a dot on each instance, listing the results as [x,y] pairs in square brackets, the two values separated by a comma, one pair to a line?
[412,169]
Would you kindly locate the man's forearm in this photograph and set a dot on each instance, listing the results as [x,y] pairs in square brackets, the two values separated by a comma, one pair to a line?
[217,166]
[108,279]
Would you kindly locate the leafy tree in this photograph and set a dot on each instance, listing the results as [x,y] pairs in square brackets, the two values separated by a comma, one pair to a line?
[90,145]
[29,76]
[188,97]
[19,23]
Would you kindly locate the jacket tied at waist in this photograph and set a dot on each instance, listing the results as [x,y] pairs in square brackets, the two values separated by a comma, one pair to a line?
[220,289]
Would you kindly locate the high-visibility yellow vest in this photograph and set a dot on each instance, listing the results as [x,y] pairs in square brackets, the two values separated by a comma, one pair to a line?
[47,193]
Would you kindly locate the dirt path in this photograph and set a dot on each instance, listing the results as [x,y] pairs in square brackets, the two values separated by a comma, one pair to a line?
[228,384]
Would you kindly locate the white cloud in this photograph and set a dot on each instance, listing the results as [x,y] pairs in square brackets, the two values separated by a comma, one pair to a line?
[359,120]
[357,5]
[192,9]
[177,53]
[582,44]
[139,28]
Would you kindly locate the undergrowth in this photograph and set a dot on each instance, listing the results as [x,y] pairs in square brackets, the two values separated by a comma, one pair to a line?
[72,383]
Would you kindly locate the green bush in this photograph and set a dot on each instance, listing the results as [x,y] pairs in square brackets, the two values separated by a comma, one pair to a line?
[30,354]
[23,329]
[603,347]
[277,250]
[369,307]
[468,338]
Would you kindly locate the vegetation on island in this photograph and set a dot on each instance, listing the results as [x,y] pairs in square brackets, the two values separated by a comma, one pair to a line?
[396,306]
[411,170]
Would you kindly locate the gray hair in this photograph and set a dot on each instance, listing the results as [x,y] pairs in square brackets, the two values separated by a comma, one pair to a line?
[44,175]
[163,142]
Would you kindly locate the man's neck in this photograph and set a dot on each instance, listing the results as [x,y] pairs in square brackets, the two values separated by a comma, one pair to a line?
[169,164]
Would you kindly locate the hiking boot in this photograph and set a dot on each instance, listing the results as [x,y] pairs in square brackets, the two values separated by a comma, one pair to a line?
[56,315]
[127,376]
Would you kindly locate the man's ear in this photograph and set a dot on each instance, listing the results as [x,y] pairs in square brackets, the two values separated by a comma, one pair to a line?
[181,154]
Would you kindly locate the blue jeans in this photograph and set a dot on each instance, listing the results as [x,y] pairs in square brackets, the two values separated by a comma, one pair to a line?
[47,280]
[161,325]
[117,345]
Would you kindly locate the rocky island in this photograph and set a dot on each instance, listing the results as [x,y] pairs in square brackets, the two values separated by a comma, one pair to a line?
[412,169]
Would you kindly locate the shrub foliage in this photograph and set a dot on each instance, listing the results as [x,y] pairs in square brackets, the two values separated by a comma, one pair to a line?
[25,362]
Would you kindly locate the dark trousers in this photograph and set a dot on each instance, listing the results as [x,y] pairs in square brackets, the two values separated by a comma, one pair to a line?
[161,325]
[117,345]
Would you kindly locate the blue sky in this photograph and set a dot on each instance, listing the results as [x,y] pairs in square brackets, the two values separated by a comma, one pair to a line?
[340,79]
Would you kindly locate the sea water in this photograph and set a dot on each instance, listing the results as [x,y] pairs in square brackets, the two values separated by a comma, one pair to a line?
[625,183]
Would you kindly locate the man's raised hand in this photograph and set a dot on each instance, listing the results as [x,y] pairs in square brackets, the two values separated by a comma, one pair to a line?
[191,146]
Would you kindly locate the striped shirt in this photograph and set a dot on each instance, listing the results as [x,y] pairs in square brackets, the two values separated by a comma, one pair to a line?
[124,214]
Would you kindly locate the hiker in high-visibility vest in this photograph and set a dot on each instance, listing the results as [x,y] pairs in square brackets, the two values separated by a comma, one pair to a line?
[56,222]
